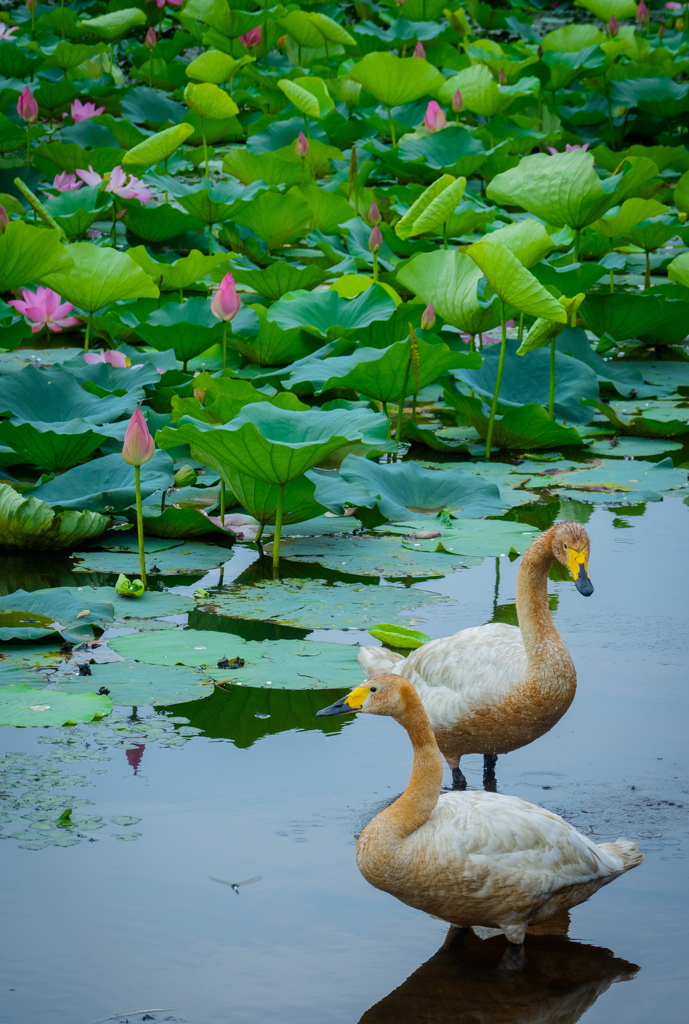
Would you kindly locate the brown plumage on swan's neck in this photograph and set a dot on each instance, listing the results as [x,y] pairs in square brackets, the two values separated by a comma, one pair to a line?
[545,649]
[416,804]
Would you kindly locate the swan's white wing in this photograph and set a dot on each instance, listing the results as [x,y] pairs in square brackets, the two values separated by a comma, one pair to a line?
[377,660]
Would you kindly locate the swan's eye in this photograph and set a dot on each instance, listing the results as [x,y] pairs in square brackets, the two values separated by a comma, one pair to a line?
[373,689]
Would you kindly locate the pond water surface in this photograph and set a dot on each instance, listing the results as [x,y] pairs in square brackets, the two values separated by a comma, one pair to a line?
[111,929]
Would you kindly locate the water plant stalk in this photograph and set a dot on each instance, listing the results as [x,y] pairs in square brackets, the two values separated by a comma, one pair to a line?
[647,276]
[392,127]
[140,524]
[375,267]
[88,332]
[551,392]
[498,380]
[224,344]
[223,497]
[278,530]
[400,411]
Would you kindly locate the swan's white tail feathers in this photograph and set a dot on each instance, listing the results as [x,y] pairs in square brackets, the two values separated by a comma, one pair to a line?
[376,660]
[629,853]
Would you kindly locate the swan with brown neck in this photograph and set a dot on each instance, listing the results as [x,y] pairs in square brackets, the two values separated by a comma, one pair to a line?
[491,689]
[474,858]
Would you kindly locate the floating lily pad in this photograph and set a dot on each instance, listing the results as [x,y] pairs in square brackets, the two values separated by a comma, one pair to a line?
[20,706]
[632,447]
[174,522]
[106,484]
[170,557]
[484,538]
[280,664]
[133,684]
[29,616]
[626,478]
[371,556]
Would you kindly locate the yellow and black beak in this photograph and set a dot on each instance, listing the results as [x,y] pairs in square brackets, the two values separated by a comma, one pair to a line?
[578,566]
[348,705]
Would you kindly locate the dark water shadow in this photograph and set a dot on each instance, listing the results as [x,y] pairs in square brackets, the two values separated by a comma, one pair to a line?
[470,984]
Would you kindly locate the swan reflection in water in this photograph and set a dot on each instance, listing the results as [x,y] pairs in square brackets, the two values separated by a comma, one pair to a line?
[472,983]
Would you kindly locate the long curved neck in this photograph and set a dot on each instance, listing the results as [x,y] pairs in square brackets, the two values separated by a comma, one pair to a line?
[535,621]
[416,804]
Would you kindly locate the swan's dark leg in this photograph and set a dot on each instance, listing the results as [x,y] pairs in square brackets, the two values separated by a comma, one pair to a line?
[455,936]
[490,782]
[513,958]
[458,780]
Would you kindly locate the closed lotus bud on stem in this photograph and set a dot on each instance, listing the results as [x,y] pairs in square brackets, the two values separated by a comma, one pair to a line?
[419,50]
[428,317]
[4,219]
[301,147]
[374,216]
[185,476]
[226,303]
[539,52]
[150,39]
[642,12]
[375,239]
[661,31]
[502,77]
[27,108]
[613,26]
[457,102]
[138,445]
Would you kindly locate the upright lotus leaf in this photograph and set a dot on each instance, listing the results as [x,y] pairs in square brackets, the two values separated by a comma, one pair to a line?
[607,9]
[652,317]
[565,189]
[28,616]
[29,255]
[208,100]
[396,80]
[280,277]
[309,95]
[115,24]
[449,280]
[543,332]
[678,269]
[331,30]
[454,150]
[331,315]
[99,277]
[515,285]
[302,29]
[261,499]
[433,208]
[157,148]
[216,67]
[273,345]
[224,397]
[481,93]
[527,427]
[28,524]
[187,327]
[618,221]
[54,449]
[274,218]
[526,239]
[402,489]
[183,273]
[565,67]
[52,395]
[74,212]
[572,38]
[23,706]
[640,426]
[106,485]
[159,223]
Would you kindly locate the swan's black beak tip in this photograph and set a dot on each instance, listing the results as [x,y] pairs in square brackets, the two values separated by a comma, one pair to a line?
[583,583]
[338,708]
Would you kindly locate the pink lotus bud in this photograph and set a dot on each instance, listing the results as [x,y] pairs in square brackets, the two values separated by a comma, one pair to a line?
[252,38]
[31,4]
[502,77]
[374,216]
[301,146]
[150,39]
[613,26]
[539,51]
[27,108]
[4,219]
[642,12]
[138,444]
[428,317]
[419,50]
[434,118]
[226,303]
[661,31]
[375,239]
[457,102]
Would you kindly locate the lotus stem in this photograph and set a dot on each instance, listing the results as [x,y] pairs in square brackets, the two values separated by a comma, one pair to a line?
[222,501]
[88,332]
[278,530]
[28,142]
[445,242]
[498,380]
[392,126]
[113,232]
[413,407]
[551,393]
[140,524]
[162,499]
[224,344]
[387,417]
[303,170]
[472,343]
[375,268]
[205,147]
[521,327]
[400,411]
[647,278]
[259,535]
[612,281]
[577,239]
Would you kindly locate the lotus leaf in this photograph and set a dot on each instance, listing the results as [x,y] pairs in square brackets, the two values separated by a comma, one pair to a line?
[618,221]
[215,66]
[188,327]
[28,616]
[394,80]
[274,218]
[481,94]
[208,100]
[183,272]
[449,280]
[115,24]
[159,223]
[157,148]
[309,95]
[623,377]
[119,553]
[606,9]
[528,427]
[261,499]
[642,426]
[53,396]
[678,269]
[29,254]
[99,277]
[433,208]
[30,524]
[526,239]
[53,449]
[20,706]
[173,522]
[398,636]
[624,477]
[372,556]
[481,539]
[515,285]
[652,316]
[331,315]
[105,485]
[454,150]
[279,278]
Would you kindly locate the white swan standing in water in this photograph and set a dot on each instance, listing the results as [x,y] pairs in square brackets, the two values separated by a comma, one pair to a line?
[490,689]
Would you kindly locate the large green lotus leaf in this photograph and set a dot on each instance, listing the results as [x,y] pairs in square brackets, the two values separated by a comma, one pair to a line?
[76,211]
[260,499]
[22,706]
[262,167]
[187,327]
[528,427]
[565,189]
[184,272]
[449,280]
[270,444]
[571,279]
[624,476]
[433,208]
[574,342]
[30,255]
[158,147]
[319,604]
[151,605]
[454,150]
[224,397]
[402,489]
[302,29]
[382,374]
[278,664]
[618,221]
[572,38]
[371,556]
[132,684]
[653,233]
[660,97]
[58,448]
[103,380]
[526,239]
[631,447]
[649,316]
[115,24]
[331,315]
[527,380]
[28,616]
[515,285]
[280,277]
[28,524]
[159,223]
[99,277]
[208,100]
[565,67]
[207,205]
[52,156]
[119,553]
[107,484]
[642,426]
[173,522]
[481,93]
[309,95]
[274,218]
[606,9]
[331,30]
[678,269]
[52,395]
[215,66]
[484,539]
[395,80]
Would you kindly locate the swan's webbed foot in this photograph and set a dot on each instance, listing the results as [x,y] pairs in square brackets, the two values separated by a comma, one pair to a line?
[514,957]
[490,782]
[458,779]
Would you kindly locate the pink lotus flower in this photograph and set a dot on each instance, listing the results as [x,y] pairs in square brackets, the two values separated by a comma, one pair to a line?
[83,111]
[457,102]
[161,3]
[428,317]
[138,444]
[301,146]
[151,39]
[252,38]
[244,527]
[568,148]
[43,308]
[226,303]
[674,7]
[419,50]
[118,184]
[118,359]
[434,118]
[27,108]
[66,182]
[374,216]
[7,33]
[375,239]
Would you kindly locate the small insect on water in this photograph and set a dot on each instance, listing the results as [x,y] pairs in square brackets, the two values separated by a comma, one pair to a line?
[231,663]
[235,886]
